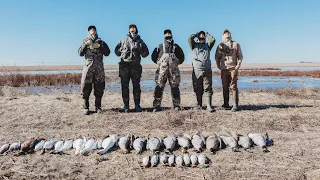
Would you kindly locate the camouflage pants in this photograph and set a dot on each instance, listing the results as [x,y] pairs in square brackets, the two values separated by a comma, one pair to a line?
[133,71]
[202,81]
[168,70]
[93,75]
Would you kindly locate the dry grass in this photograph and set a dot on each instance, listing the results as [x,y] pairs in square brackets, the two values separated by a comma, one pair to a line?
[314,73]
[290,116]
[19,80]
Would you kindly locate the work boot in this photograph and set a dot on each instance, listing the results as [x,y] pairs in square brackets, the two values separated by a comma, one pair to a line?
[209,100]
[177,108]
[235,101]
[126,108]
[98,110]
[156,109]
[138,108]
[86,106]
[199,102]
[86,111]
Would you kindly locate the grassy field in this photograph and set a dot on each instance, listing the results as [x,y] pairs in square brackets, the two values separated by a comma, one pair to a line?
[291,117]
[17,79]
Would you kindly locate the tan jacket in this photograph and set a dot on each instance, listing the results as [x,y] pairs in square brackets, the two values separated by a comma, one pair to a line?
[228,55]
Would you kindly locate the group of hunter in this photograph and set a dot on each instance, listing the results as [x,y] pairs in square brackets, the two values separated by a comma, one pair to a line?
[168,56]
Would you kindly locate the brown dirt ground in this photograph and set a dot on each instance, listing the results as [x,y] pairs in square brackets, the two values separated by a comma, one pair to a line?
[291,117]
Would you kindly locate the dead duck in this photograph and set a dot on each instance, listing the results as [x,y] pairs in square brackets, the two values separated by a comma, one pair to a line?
[14,146]
[154,144]
[139,144]
[154,160]
[184,142]
[146,161]
[259,140]
[213,143]
[198,142]
[4,148]
[164,159]
[39,145]
[125,143]
[194,160]
[203,161]
[169,143]
[186,160]
[171,160]
[245,142]
[48,145]
[230,142]
[179,161]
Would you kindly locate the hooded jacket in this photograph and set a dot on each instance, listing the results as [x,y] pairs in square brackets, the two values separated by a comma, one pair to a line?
[228,54]
[201,52]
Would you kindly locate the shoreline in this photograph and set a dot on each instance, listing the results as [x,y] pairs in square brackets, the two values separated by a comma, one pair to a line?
[149,66]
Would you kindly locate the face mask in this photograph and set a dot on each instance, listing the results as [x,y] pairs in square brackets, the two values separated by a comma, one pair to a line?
[168,37]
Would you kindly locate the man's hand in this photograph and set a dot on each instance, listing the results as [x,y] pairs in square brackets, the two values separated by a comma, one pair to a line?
[237,68]
[88,42]
[96,45]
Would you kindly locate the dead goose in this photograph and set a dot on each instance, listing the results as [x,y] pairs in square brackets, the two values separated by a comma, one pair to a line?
[154,144]
[179,161]
[259,140]
[67,145]
[154,160]
[184,142]
[4,148]
[57,147]
[203,161]
[146,161]
[194,160]
[139,145]
[48,145]
[244,141]
[186,160]
[213,143]
[198,142]
[14,146]
[231,142]
[28,146]
[78,144]
[169,142]
[164,159]
[108,143]
[171,160]
[90,145]
[39,145]
[99,144]
[125,143]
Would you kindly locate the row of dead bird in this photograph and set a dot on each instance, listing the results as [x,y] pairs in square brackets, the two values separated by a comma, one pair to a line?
[176,160]
[169,143]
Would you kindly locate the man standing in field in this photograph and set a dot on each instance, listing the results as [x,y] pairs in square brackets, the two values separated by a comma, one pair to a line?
[130,50]
[201,63]
[168,56]
[93,49]
[229,58]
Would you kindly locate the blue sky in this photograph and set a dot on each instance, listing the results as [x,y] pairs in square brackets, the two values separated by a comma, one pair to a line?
[38,32]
